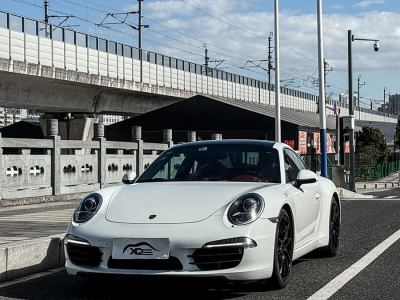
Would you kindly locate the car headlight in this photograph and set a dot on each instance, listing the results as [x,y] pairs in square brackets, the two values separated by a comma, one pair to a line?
[87,208]
[245,209]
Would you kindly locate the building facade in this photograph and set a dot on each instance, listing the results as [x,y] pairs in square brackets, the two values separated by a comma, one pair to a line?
[9,116]
[394,104]
[110,119]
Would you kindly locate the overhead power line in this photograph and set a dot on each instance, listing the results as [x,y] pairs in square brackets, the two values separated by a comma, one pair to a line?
[223,21]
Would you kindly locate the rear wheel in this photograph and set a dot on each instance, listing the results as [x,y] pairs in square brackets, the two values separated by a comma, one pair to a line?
[334,230]
[283,251]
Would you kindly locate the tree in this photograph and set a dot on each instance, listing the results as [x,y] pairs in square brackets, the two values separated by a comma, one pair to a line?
[371,146]
[397,141]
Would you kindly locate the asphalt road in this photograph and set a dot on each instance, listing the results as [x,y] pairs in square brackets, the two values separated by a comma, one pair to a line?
[386,193]
[366,223]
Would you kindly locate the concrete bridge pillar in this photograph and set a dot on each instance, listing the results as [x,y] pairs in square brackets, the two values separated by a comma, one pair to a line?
[70,126]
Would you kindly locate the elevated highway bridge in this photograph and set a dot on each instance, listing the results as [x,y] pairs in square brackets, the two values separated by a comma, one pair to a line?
[53,69]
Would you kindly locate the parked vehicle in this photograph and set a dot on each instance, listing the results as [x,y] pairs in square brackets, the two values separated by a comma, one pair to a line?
[240,209]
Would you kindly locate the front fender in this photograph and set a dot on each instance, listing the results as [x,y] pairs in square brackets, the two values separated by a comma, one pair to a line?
[328,190]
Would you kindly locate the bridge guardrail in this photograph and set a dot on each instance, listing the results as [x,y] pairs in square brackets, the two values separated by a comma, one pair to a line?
[51,166]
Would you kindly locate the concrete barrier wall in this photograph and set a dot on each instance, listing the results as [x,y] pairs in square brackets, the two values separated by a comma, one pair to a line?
[24,258]
[68,166]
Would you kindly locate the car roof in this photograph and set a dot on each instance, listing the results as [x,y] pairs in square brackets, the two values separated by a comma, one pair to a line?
[264,143]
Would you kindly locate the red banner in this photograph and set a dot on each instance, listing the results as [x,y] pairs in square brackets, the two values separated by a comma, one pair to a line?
[302,142]
[291,143]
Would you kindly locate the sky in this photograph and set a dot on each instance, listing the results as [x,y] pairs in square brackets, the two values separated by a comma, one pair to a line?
[236,32]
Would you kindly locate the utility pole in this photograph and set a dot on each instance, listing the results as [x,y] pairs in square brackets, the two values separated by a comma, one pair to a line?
[384,99]
[206,59]
[138,28]
[46,16]
[327,69]
[46,11]
[270,67]
[384,96]
[359,85]
[140,38]
[277,75]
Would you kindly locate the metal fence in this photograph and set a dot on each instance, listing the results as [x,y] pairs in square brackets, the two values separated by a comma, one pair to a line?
[373,173]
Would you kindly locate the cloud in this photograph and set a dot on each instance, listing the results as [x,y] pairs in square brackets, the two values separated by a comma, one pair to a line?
[244,37]
[336,6]
[367,3]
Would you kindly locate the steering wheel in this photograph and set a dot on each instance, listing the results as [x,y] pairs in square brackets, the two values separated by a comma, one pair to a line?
[248,176]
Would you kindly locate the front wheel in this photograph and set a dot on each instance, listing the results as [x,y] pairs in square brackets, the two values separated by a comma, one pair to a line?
[334,230]
[283,253]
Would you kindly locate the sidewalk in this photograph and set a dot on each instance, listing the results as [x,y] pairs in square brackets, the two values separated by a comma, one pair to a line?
[387,182]
[31,238]
[33,221]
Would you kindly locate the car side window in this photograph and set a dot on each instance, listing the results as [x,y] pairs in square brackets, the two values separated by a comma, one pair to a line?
[296,159]
[291,169]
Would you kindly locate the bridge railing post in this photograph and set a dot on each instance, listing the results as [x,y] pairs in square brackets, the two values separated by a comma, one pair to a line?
[192,136]
[101,154]
[167,137]
[216,136]
[52,132]
[137,137]
[1,166]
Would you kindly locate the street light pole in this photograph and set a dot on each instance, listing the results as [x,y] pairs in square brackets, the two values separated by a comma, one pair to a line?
[277,77]
[270,67]
[322,110]
[350,40]
[352,184]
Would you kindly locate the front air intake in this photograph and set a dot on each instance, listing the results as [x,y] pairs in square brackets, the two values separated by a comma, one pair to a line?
[217,258]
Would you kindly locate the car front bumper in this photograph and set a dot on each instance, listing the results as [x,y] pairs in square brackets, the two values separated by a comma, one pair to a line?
[256,262]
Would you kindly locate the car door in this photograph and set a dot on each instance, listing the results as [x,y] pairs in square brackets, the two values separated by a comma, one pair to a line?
[306,198]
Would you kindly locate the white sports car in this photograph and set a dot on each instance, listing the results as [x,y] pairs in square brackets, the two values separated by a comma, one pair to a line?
[238,209]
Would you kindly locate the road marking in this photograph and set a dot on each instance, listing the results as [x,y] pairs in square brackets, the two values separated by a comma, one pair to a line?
[339,281]
[390,197]
[31,277]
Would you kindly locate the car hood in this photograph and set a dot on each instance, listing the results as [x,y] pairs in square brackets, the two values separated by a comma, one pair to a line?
[173,202]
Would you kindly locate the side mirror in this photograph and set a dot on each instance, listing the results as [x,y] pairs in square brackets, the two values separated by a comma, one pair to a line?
[305,177]
[129,177]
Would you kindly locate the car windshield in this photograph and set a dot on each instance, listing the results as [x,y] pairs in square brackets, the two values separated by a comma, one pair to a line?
[216,162]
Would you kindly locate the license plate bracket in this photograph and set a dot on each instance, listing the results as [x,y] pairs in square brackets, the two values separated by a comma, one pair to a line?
[154,248]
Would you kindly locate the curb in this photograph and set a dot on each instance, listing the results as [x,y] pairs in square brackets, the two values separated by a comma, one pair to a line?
[23,258]
[376,185]
[41,199]
[346,194]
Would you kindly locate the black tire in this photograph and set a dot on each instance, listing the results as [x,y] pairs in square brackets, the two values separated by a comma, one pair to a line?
[334,230]
[283,251]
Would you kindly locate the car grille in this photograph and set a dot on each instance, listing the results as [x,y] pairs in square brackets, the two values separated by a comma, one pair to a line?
[171,264]
[84,255]
[207,259]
